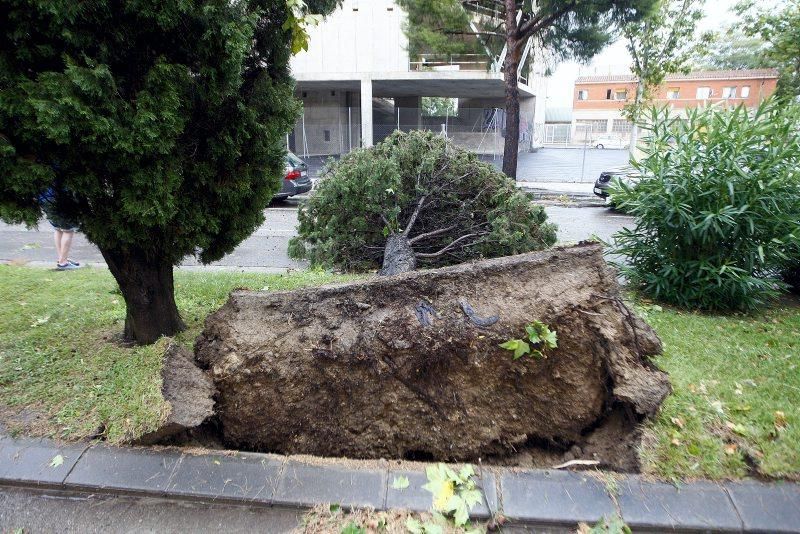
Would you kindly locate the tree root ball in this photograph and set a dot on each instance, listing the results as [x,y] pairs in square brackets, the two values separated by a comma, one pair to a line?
[410,366]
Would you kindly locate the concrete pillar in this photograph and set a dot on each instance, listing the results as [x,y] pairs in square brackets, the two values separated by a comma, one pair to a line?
[366,112]
[410,111]
[527,114]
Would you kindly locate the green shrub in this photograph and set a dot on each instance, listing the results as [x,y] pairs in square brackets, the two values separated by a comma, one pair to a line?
[717,207]
[791,273]
[465,208]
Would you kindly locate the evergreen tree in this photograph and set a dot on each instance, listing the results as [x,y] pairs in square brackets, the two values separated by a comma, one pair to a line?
[163,120]
[567,29]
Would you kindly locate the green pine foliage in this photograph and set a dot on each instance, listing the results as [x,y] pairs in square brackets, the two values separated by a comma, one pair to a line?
[372,193]
[718,206]
[163,121]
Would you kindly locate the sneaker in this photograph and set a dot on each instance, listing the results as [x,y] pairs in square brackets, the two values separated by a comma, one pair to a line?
[75,263]
[66,266]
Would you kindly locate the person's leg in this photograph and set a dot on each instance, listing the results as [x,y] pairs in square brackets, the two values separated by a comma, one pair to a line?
[66,244]
[57,239]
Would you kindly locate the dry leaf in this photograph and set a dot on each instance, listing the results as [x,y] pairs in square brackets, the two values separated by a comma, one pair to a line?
[730,449]
[676,442]
[677,421]
[780,420]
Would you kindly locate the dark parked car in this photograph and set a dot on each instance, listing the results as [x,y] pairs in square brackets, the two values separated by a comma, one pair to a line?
[296,180]
[624,174]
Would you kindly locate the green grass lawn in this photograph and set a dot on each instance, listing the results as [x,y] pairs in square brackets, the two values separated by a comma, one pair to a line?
[60,358]
[63,374]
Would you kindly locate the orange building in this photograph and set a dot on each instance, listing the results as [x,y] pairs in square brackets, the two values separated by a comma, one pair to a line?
[598,100]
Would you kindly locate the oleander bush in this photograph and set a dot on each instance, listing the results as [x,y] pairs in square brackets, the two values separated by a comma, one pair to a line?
[717,207]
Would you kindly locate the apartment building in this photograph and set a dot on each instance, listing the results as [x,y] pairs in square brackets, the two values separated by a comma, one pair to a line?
[358,83]
[598,101]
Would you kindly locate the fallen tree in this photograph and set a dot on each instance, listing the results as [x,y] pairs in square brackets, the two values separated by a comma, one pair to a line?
[410,366]
[416,198]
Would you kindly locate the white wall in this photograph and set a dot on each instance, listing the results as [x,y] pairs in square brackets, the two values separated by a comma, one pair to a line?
[359,37]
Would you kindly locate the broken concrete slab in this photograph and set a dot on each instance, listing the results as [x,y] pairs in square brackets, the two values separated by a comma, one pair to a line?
[410,366]
[188,391]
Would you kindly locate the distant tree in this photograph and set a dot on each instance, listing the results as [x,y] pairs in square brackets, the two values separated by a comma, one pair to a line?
[780,29]
[438,106]
[570,29]
[438,27]
[731,49]
[661,43]
[164,121]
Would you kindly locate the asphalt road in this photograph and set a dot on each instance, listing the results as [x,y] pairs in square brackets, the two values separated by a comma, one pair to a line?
[265,250]
[42,512]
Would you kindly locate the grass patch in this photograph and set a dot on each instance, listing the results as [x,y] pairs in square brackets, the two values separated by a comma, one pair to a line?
[736,378]
[62,372]
[736,383]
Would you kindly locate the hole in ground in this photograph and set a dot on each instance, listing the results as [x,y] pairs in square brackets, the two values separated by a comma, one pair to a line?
[613,443]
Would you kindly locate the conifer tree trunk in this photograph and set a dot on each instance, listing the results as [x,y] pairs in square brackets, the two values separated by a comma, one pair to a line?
[510,72]
[398,256]
[147,286]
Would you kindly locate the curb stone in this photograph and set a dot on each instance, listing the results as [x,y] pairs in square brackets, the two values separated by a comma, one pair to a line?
[545,499]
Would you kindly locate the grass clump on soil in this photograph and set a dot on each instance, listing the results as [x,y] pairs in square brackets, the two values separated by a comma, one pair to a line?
[63,372]
[736,378]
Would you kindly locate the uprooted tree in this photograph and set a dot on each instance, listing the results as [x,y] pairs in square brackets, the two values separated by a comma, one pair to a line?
[416,198]
[164,121]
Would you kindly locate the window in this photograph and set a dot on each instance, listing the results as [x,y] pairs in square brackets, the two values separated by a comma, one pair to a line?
[703,93]
[621,94]
[583,94]
[608,94]
[745,91]
[673,93]
[621,126]
[327,134]
[729,92]
[592,125]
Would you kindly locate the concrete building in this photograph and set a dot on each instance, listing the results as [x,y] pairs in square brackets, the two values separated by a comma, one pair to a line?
[358,84]
[598,100]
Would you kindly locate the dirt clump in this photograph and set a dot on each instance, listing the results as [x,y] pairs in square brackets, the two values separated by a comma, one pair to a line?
[188,391]
[409,366]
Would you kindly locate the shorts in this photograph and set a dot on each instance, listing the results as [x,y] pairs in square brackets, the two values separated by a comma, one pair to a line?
[59,222]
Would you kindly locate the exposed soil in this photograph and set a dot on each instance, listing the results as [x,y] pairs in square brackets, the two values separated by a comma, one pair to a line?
[408,367]
[189,393]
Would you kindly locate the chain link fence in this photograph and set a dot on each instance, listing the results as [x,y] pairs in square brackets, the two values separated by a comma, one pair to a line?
[333,131]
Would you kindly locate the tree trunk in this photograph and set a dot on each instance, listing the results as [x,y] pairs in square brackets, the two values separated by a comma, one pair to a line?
[510,72]
[148,290]
[398,256]
[637,112]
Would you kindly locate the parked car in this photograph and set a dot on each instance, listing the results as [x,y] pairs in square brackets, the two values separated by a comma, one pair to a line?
[625,174]
[296,180]
[610,142]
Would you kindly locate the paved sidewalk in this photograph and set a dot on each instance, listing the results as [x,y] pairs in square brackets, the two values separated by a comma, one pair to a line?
[528,498]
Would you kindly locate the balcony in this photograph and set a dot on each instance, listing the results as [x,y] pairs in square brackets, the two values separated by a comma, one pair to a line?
[461,62]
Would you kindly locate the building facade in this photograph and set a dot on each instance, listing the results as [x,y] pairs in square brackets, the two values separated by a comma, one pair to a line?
[598,101]
[358,83]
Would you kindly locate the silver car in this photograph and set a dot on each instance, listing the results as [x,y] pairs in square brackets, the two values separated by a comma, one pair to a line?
[296,181]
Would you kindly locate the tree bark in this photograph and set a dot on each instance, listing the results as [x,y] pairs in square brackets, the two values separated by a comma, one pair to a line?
[398,256]
[510,72]
[637,112]
[148,290]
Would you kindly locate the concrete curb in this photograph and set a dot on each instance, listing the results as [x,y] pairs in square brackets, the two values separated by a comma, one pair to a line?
[540,498]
